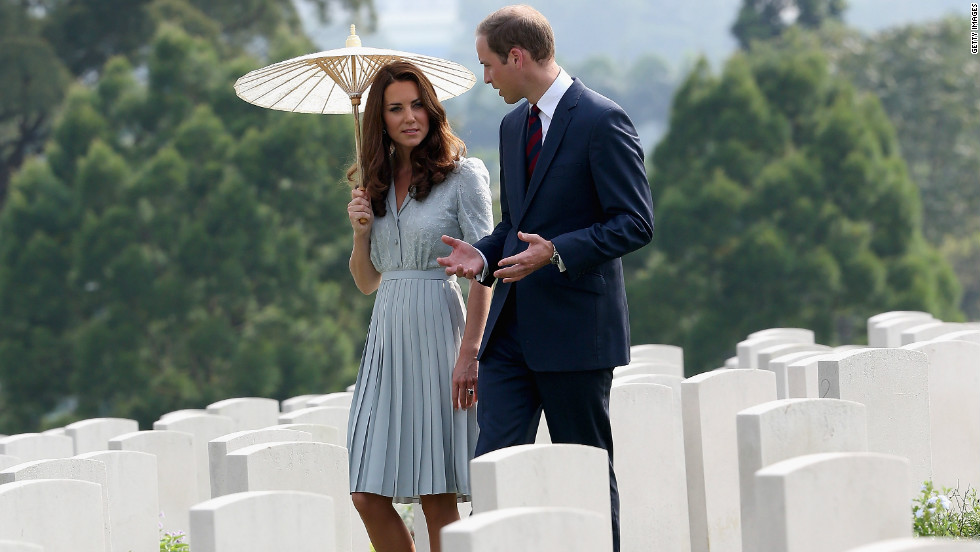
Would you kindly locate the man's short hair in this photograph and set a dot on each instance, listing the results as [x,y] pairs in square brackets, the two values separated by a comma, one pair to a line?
[518,26]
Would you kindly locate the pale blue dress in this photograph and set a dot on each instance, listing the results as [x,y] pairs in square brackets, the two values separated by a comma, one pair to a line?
[404,437]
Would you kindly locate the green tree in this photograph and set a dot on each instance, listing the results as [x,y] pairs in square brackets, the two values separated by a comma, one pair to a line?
[34,83]
[44,42]
[928,83]
[782,200]
[86,33]
[176,246]
[767,19]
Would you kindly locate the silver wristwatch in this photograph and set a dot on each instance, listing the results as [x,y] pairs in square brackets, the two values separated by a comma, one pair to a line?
[555,258]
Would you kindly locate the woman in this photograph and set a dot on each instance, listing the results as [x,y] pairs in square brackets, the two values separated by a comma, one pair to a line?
[412,432]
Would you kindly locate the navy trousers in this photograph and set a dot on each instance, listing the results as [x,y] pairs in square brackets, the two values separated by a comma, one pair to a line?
[512,397]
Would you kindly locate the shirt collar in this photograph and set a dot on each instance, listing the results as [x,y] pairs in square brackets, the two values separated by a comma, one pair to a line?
[548,103]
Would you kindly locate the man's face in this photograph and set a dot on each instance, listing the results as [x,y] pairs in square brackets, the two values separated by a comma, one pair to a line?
[502,75]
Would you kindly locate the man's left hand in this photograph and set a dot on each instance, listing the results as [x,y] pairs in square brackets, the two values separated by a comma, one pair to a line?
[537,255]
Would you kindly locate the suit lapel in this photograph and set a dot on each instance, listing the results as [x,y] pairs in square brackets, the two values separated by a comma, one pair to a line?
[556,133]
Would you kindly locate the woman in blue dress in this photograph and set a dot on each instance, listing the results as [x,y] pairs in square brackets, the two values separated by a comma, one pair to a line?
[412,428]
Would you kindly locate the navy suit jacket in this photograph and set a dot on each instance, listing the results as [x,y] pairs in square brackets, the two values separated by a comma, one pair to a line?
[589,195]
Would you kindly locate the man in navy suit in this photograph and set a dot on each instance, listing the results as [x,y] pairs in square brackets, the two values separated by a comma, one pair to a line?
[574,199]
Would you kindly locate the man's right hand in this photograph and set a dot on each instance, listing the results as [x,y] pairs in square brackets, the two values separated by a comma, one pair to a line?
[464,261]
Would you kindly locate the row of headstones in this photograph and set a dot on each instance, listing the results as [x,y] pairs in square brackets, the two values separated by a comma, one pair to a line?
[663,412]
[721,431]
[921,403]
[151,480]
[807,499]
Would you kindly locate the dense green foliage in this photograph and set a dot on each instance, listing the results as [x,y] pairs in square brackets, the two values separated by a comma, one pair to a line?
[782,200]
[175,246]
[928,83]
[44,41]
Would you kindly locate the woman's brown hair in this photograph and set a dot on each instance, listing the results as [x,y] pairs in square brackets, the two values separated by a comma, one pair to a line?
[432,160]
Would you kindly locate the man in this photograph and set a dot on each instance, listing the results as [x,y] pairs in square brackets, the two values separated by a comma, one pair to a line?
[574,199]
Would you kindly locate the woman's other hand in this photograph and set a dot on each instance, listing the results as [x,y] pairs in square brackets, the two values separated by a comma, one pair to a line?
[464,382]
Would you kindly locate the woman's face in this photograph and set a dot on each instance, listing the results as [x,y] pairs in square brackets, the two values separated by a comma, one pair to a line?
[406,119]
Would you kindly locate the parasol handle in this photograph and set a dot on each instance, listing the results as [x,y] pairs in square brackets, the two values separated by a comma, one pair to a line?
[355,101]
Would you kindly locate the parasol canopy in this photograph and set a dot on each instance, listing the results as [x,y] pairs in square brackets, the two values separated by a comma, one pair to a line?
[335,81]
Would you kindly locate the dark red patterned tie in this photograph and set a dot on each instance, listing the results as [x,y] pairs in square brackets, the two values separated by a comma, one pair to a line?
[533,140]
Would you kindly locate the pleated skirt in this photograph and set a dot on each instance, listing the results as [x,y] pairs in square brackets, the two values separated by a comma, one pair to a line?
[404,437]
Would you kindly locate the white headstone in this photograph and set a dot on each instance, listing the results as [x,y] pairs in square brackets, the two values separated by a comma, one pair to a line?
[710,403]
[674,382]
[538,529]
[321,433]
[342,398]
[78,469]
[801,377]
[846,348]
[648,367]
[802,335]
[335,416]
[832,502]
[7,461]
[248,412]
[777,430]
[889,315]
[973,336]
[94,434]
[767,355]
[954,411]
[60,515]
[181,413]
[925,332]
[261,521]
[573,476]
[134,498]
[650,471]
[887,331]
[894,385]
[203,428]
[780,367]
[219,448]
[656,352]
[297,466]
[748,350]
[176,470]
[37,446]
[295,403]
